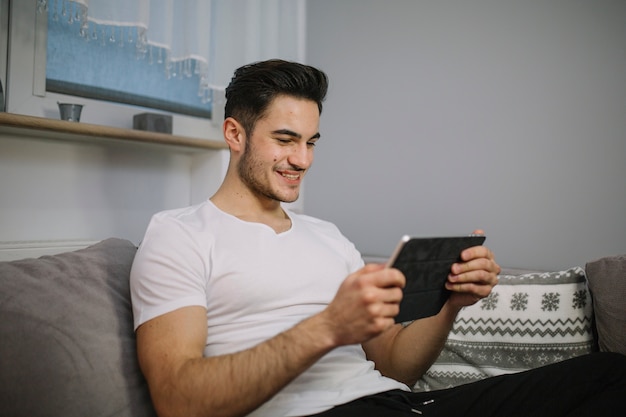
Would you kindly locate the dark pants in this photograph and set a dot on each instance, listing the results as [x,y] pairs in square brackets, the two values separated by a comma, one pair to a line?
[590,385]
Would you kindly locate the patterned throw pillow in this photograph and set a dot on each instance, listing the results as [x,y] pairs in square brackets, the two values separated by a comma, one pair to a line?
[527,321]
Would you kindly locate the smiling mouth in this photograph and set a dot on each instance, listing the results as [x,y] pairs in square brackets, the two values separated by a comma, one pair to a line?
[292,177]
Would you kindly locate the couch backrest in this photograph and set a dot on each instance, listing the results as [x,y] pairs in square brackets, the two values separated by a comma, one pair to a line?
[67,341]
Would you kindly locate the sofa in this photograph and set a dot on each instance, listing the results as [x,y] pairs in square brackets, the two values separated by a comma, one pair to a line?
[68,347]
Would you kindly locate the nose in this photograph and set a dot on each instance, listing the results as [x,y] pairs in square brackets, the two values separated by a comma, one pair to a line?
[302,156]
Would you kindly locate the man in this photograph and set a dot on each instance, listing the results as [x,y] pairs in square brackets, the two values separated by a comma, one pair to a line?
[244,308]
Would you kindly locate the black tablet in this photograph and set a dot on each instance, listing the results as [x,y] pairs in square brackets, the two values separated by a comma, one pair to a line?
[426,263]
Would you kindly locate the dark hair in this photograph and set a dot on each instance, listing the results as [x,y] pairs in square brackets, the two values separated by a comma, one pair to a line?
[253,88]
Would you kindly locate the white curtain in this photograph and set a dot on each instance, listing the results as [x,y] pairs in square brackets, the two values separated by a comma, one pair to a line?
[210,38]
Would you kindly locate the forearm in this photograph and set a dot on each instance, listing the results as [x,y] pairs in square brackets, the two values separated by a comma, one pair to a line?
[411,350]
[236,384]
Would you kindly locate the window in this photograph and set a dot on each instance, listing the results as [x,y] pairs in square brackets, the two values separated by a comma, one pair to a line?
[115,63]
[266,29]
[4,45]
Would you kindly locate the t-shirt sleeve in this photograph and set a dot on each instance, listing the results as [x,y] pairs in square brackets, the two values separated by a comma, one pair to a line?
[168,271]
[355,257]
[352,255]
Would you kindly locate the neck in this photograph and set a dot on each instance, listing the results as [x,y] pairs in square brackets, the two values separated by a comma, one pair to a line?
[250,208]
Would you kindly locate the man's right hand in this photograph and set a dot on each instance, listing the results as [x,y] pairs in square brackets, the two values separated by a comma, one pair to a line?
[365,304]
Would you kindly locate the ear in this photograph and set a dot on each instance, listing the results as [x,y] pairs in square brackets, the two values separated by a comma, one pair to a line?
[234,134]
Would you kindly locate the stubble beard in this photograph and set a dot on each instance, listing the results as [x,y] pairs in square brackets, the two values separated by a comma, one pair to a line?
[248,169]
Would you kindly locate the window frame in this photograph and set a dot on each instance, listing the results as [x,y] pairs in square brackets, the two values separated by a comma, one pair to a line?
[4,46]
[25,85]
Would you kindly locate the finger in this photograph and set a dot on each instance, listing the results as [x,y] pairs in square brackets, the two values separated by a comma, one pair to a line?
[373,267]
[377,295]
[478,277]
[482,271]
[467,279]
[477,290]
[479,264]
[476,258]
[391,295]
[382,309]
[476,252]
[389,277]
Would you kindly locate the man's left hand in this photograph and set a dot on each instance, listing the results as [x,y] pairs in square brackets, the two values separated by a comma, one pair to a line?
[474,277]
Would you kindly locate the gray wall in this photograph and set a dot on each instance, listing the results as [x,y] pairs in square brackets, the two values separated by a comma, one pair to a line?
[445,116]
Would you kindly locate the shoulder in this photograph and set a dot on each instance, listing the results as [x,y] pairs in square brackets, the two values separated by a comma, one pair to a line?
[314,223]
[182,232]
[329,234]
[196,217]
[187,214]
[175,240]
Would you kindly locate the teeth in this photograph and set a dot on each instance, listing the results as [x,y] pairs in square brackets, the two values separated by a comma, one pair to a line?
[291,177]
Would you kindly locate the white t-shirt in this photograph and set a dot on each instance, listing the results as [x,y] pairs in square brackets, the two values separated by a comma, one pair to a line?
[255,283]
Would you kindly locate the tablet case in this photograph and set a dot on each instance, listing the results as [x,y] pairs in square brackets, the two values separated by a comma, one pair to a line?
[426,264]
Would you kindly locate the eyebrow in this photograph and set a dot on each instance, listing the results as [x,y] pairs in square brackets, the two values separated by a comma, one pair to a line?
[294,134]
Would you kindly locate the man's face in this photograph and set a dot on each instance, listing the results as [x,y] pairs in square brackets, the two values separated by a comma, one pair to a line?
[280,149]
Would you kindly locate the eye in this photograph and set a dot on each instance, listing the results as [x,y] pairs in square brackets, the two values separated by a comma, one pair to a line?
[311,144]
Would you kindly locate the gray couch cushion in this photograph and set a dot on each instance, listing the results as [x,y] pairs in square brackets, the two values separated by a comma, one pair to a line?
[67,344]
[607,282]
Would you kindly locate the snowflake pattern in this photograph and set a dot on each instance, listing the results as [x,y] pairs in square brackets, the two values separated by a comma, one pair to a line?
[512,358]
[580,299]
[527,358]
[550,301]
[519,301]
[491,302]
[543,359]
